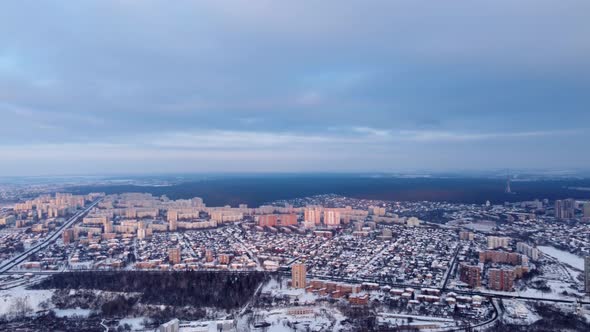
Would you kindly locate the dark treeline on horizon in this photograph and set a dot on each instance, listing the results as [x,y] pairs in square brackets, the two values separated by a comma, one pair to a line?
[255,191]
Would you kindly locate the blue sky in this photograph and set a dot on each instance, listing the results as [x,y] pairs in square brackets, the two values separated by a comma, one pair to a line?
[92,87]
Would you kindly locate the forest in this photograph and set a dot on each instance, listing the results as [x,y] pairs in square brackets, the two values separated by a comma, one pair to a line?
[224,290]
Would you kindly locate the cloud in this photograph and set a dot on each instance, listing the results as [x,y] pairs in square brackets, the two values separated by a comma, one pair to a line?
[342,150]
[372,131]
[367,80]
[446,136]
[243,140]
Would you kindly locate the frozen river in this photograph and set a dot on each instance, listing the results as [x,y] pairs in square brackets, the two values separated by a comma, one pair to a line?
[563,256]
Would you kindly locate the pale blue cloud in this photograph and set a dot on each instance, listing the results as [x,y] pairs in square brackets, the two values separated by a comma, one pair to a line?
[287,85]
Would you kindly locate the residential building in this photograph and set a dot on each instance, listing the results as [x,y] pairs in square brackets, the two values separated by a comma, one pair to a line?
[470,274]
[313,215]
[298,275]
[565,209]
[498,242]
[464,235]
[331,217]
[269,220]
[528,250]
[501,279]
[174,255]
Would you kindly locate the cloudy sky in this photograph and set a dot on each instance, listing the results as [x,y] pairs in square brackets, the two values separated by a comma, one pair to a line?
[91,87]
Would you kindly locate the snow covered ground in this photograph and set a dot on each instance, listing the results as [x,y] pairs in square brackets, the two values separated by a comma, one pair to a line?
[72,312]
[393,321]
[136,323]
[206,326]
[296,317]
[519,313]
[32,297]
[482,226]
[277,289]
[285,319]
[563,256]
[556,288]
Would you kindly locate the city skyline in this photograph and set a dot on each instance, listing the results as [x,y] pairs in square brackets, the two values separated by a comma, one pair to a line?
[153,87]
[307,255]
[264,165]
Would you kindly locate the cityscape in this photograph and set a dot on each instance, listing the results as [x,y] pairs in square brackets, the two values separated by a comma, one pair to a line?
[324,262]
[295,166]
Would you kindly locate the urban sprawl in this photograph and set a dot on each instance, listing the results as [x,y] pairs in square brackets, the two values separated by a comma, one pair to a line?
[423,265]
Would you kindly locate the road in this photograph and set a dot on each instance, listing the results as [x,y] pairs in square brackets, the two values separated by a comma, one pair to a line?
[106,328]
[12,262]
[243,311]
[451,267]
[248,251]
[483,325]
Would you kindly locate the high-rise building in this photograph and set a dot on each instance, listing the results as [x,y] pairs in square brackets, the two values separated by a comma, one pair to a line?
[141,233]
[68,236]
[528,250]
[331,217]
[298,274]
[558,209]
[313,214]
[269,220]
[497,242]
[172,220]
[570,207]
[565,209]
[587,274]
[587,210]
[197,202]
[470,274]
[376,210]
[502,257]
[174,255]
[108,226]
[289,219]
[501,279]
[465,235]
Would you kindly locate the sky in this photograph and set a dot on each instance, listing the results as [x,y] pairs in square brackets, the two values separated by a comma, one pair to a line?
[103,87]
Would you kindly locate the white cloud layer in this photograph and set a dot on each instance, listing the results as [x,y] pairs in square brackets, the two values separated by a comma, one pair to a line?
[287,85]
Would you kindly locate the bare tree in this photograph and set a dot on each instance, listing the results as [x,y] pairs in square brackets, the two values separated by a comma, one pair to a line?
[20,307]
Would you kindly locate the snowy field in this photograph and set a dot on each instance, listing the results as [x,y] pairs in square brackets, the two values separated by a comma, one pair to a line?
[563,256]
[278,290]
[32,297]
[482,226]
[136,323]
[77,312]
[518,313]
[557,287]
[320,319]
